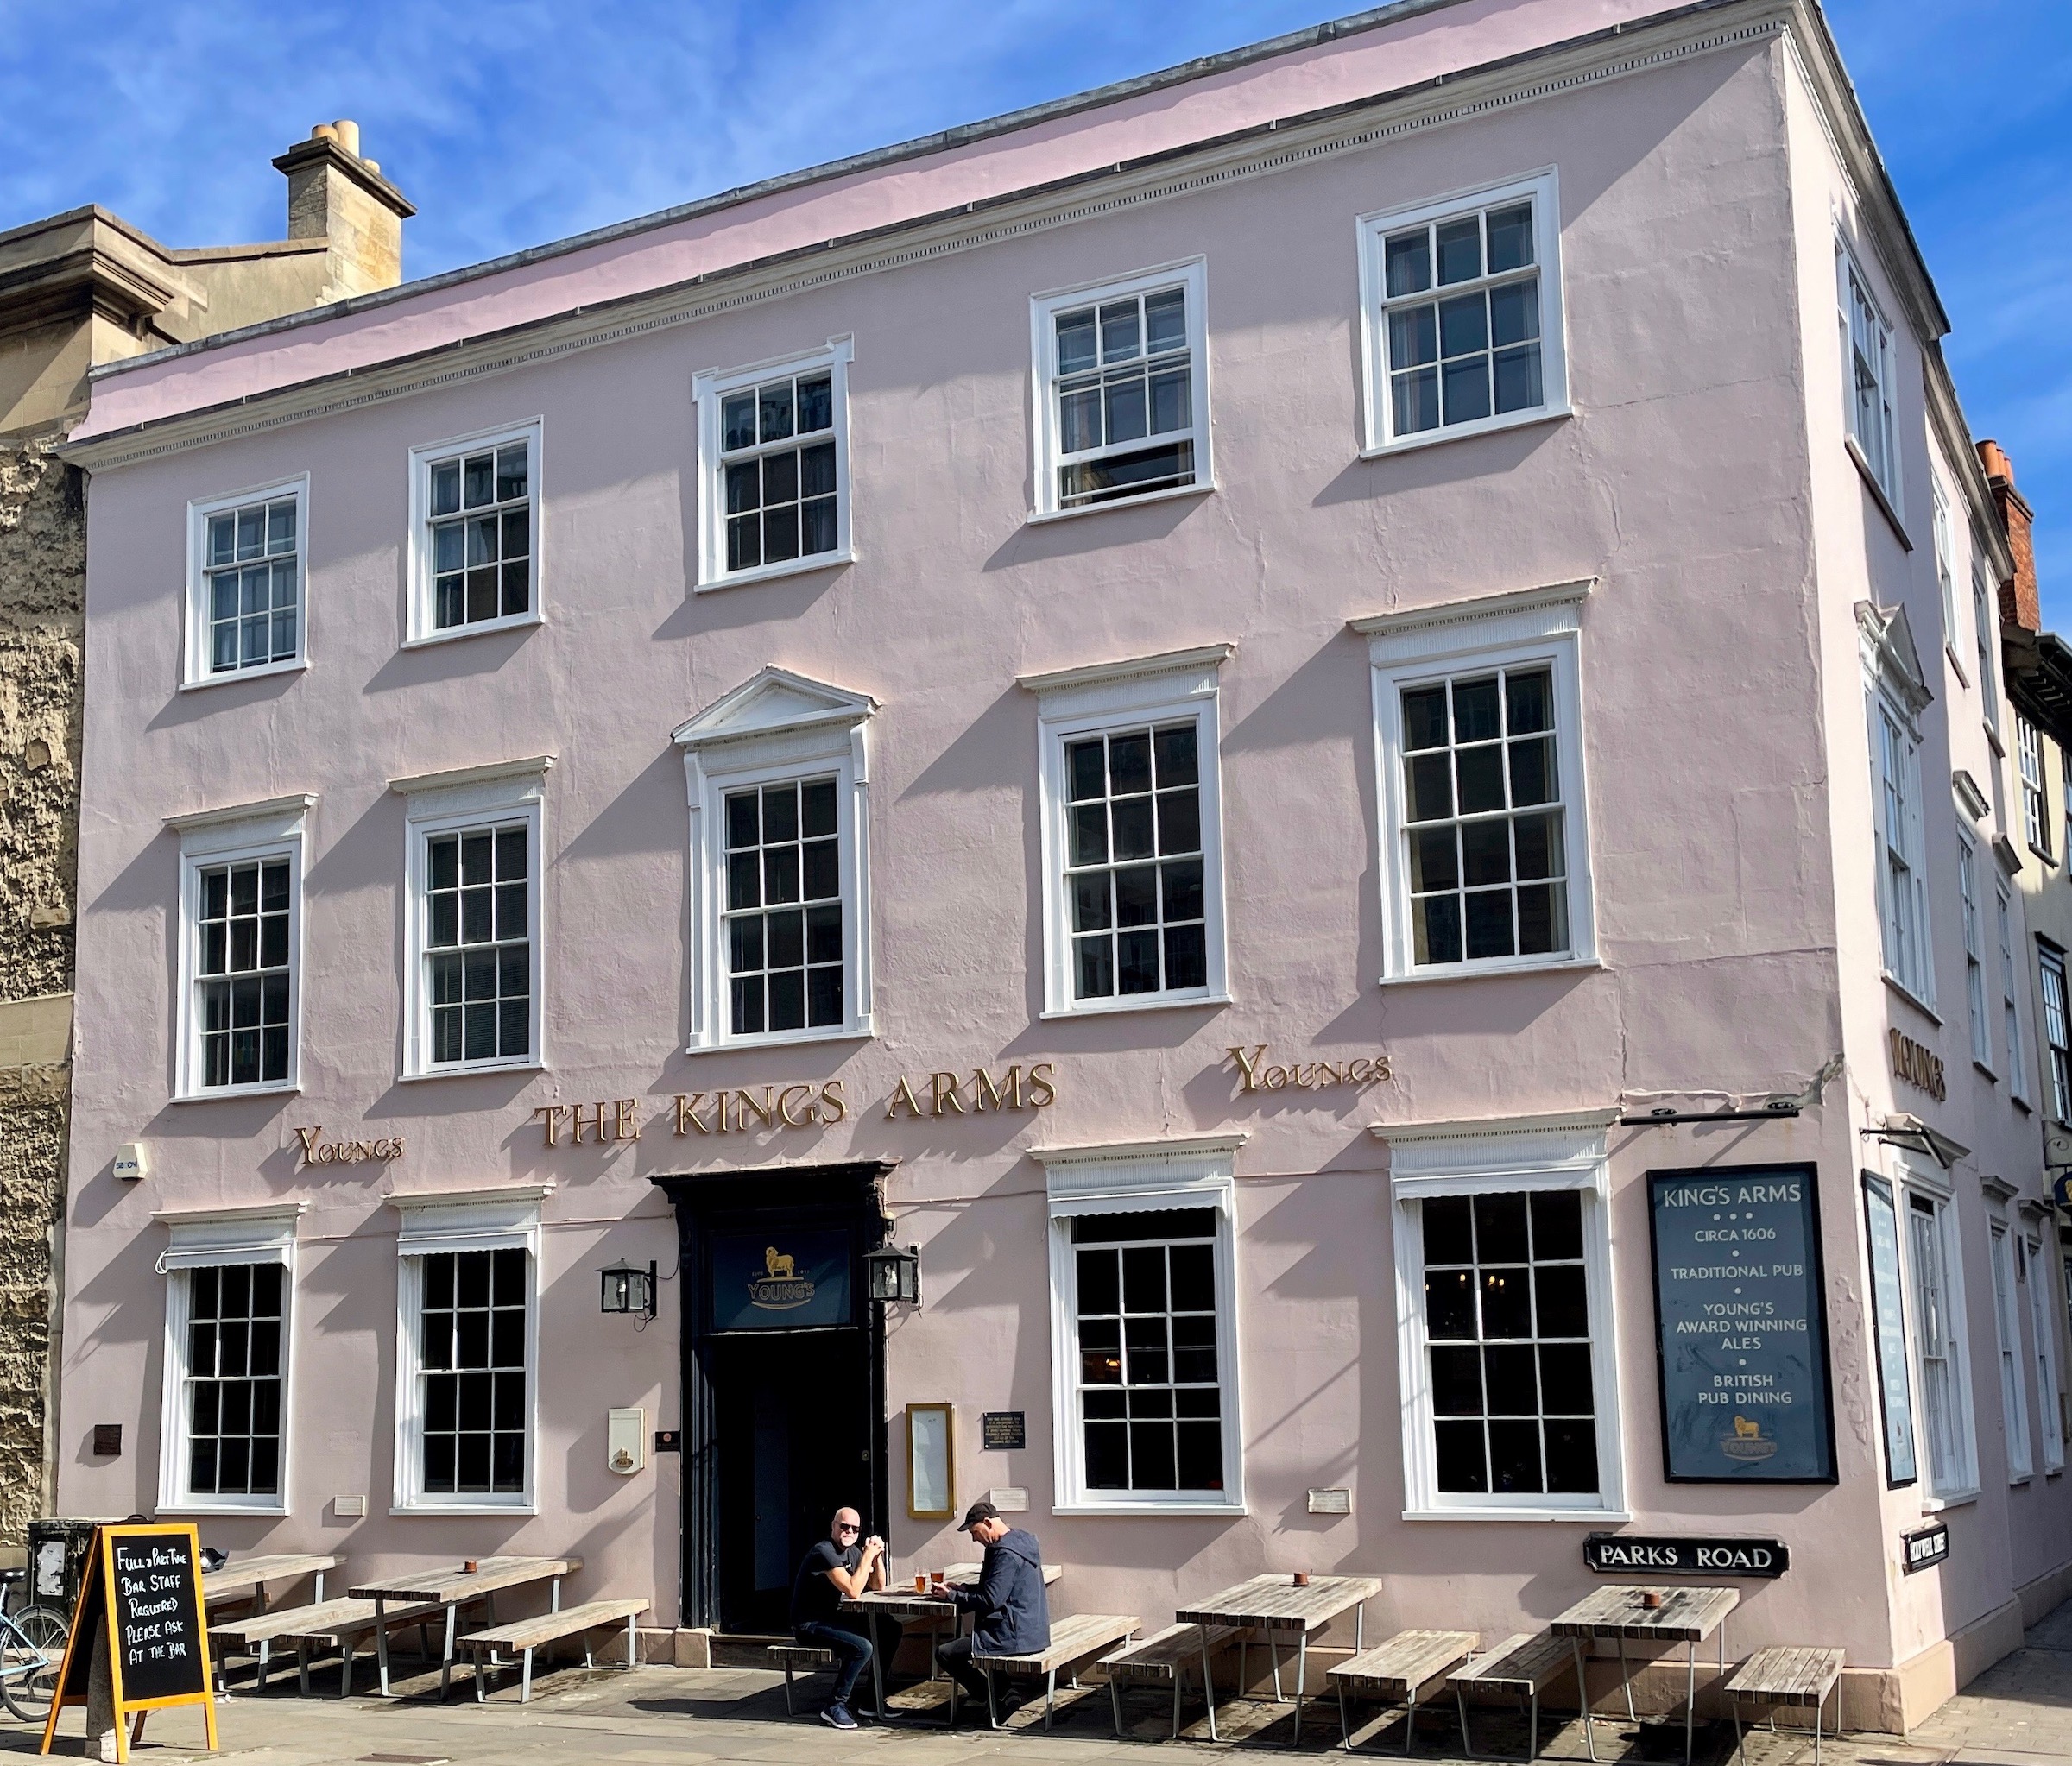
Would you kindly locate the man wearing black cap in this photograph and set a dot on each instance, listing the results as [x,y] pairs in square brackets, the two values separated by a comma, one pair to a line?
[1012,1616]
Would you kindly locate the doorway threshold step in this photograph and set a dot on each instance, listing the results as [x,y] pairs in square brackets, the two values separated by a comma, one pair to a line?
[745,1649]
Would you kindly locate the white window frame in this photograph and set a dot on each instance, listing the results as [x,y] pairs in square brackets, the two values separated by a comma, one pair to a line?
[216,1238]
[275,829]
[195,671]
[442,803]
[1984,628]
[1138,1177]
[1903,916]
[2036,791]
[1974,953]
[505,1219]
[1924,1179]
[2044,1340]
[2056,1026]
[1071,703]
[1877,454]
[1945,540]
[1190,274]
[709,389]
[2007,1330]
[2010,1005]
[1498,631]
[1378,408]
[774,726]
[1505,1155]
[420,615]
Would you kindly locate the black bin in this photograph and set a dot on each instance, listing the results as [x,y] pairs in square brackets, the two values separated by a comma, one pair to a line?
[57,1558]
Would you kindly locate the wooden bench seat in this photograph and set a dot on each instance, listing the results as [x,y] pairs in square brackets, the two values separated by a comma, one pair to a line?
[1787,1674]
[1074,1642]
[1522,1665]
[526,1635]
[1400,1671]
[341,1622]
[798,1658]
[1166,1657]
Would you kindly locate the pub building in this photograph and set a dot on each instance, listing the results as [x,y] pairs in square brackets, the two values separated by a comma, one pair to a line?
[1218,809]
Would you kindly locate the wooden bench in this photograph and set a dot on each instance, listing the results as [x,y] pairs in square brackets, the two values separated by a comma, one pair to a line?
[1400,1671]
[1787,1674]
[1074,1642]
[1166,1656]
[803,1658]
[524,1636]
[341,1622]
[1523,1665]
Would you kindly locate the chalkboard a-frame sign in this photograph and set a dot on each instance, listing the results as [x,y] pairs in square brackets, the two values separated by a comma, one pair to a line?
[141,1590]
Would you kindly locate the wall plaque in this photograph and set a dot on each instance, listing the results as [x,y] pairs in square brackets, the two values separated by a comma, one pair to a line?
[1628,1553]
[1003,1431]
[1923,1548]
[1741,1342]
[785,1281]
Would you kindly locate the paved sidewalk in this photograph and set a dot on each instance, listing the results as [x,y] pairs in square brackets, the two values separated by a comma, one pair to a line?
[2018,1713]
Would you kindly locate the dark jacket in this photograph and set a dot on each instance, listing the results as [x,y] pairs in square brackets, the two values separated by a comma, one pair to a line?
[1013,1617]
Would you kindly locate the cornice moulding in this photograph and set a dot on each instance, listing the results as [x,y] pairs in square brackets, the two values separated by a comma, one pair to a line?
[1132,668]
[294,803]
[1257,151]
[494,772]
[1477,607]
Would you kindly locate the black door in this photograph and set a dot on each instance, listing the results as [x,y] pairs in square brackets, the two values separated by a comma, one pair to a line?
[794,1441]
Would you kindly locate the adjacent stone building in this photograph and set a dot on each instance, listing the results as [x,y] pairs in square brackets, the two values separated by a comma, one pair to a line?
[78,290]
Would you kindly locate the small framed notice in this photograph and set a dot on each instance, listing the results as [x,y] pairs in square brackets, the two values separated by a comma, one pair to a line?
[1003,1431]
[930,1463]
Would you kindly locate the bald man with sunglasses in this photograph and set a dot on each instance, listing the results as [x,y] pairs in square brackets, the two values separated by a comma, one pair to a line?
[838,1568]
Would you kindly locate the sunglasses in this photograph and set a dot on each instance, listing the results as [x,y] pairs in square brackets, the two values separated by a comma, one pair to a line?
[847,1527]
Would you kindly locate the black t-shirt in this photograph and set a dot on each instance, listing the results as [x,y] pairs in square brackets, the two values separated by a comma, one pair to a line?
[815,1600]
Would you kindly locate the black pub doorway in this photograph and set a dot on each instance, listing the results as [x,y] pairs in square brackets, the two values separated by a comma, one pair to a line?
[783,1378]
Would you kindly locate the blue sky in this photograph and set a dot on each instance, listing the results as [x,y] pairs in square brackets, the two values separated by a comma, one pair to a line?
[512,122]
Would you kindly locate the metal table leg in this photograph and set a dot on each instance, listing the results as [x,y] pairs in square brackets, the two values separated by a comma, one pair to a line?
[1345,1723]
[380,1643]
[1302,1675]
[446,1657]
[877,1666]
[1582,1692]
[1209,1684]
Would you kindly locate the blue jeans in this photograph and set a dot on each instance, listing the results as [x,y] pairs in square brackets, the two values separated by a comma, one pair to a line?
[852,1654]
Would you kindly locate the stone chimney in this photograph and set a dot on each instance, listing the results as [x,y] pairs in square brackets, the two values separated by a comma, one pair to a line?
[336,195]
[2021,605]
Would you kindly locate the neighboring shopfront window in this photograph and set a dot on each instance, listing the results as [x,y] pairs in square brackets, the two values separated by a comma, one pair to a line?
[475,539]
[1504,1280]
[774,450]
[2057,1028]
[240,941]
[777,781]
[466,1352]
[1125,410]
[223,1431]
[1941,1373]
[2014,1405]
[1485,860]
[1132,886]
[1145,1326]
[473,971]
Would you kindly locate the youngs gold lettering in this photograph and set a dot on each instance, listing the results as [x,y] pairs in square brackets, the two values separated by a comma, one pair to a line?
[1257,1074]
[310,1151]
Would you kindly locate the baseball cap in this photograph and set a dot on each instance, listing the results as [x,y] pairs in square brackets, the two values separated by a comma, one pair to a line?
[975,1514]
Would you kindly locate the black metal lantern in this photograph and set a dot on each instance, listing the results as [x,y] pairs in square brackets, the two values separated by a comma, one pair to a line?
[893,1276]
[625,1288]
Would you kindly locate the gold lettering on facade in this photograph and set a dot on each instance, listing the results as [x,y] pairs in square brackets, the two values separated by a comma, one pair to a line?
[1256,1074]
[903,1093]
[1917,1065]
[1005,1095]
[311,1151]
[834,1108]
[942,1087]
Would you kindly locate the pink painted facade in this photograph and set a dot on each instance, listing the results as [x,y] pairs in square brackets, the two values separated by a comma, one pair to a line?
[1675,535]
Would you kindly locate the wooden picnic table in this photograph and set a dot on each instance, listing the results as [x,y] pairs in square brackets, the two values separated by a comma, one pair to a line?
[1273,1604]
[1620,1610]
[248,1576]
[909,1606]
[455,1589]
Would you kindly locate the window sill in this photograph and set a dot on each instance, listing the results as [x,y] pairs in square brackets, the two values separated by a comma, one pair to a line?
[224,1094]
[1985,1069]
[771,573]
[1912,999]
[1957,667]
[864,1030]
[472,1069]
[1469,972]
[481,629]
[1937,1505]
[1878,491]
[1107,1008]
[477,1509]
[1037,516]
[1993,741]
[230,676]
[1596,1516]
[2049,863]
[1140,1510]
[2020,1481]
[1462,431]
[195,1508]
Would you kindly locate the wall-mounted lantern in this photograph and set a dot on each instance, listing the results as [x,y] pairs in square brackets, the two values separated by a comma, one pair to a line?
[627,1288]
[893,1276]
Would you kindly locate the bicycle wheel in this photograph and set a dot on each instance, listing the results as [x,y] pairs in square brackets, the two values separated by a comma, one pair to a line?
[32,1655]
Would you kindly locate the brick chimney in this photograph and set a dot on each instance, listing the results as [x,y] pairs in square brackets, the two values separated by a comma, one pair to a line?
[336,195]
[2021,605]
